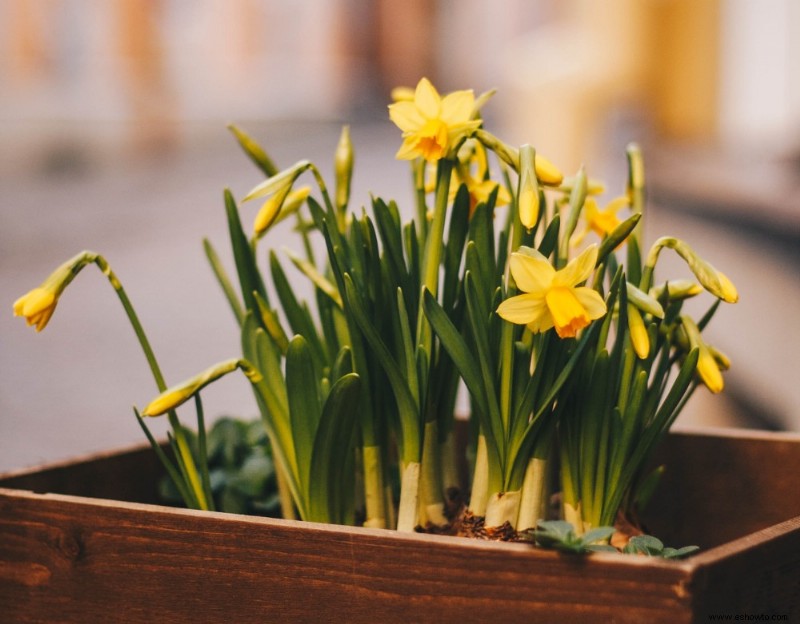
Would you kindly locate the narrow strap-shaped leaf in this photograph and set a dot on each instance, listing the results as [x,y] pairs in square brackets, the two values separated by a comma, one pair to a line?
[389,229]
[172,471]
[272,324]
[249,276]
[470,371]
[304,405]
[550,238]
[409,413]
[298,315]
[407,345]
[454,249]
[224,281]
[202,452]
[311,272]
[331,451]
[654,432]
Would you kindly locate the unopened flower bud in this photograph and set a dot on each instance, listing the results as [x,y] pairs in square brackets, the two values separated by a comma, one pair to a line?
[528,194]
[343,167]
[177,395]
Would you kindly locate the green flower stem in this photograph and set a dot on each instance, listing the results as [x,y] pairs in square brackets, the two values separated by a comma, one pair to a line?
[180,437]
[431,490]
[323,189]
[636,185]
[577,197]
[433,247]
[418,169]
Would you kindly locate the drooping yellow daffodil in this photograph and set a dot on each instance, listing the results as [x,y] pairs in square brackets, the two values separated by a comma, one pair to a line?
[601,221]
[433,125]
[552,298]
[37,306]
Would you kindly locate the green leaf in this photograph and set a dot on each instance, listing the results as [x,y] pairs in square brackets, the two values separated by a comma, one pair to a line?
[224,281]
[331,452]
[470,371]
[310,271]
[599,534]
[644,544]
[304,406]
[613,240]
[297,315]
[407,408]
[249,276]
[673,553]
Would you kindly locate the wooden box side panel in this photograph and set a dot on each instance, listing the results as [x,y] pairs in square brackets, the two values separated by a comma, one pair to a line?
[128,475]
[67,561]
[757,575]
[718,488]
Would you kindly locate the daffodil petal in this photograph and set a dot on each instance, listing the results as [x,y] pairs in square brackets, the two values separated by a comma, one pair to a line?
[408,150]
[406,116]
[531,274]
[457,107]
[457,130]
[541,323]
[592,302]
[427,99]
[523,309]
[578,270]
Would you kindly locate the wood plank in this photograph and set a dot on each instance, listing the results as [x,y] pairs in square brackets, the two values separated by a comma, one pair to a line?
[158,565]
[757,574]
[720,485]
[74,559]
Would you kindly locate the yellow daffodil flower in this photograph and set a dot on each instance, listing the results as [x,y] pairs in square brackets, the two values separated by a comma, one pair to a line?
[432,126]
[601,221]
[37,306]
[552,298]
[708,368]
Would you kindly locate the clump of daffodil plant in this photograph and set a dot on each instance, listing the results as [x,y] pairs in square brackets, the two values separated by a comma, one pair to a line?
[510,278]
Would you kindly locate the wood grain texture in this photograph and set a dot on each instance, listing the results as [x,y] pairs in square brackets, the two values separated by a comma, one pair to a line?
[75,559]
[155,565]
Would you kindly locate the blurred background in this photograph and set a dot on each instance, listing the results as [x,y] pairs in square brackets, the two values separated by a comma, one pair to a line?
[113,138]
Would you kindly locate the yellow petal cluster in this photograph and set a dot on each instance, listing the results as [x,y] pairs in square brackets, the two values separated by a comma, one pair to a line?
[601,221]
[37,306]
[552,298]
[433,125]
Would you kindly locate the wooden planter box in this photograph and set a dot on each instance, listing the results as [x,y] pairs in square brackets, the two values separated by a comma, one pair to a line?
[84,542]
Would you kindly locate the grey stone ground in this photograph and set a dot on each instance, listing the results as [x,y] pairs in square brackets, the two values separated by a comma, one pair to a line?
[69,390]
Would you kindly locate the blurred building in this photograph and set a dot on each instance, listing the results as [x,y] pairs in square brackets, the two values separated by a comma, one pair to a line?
[112,135]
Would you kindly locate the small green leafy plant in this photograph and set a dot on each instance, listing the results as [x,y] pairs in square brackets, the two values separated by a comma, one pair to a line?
[561,535]
[240,467]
